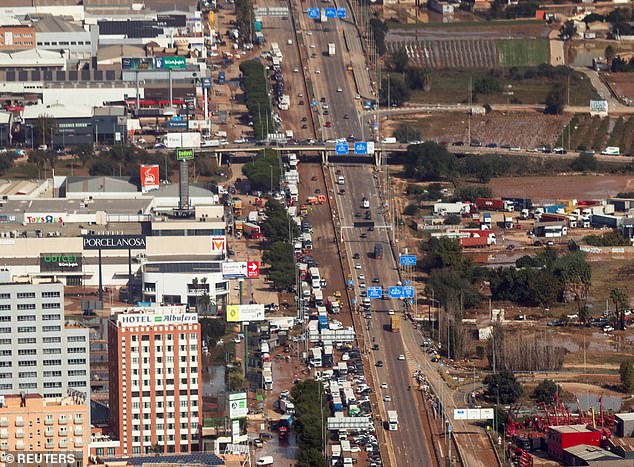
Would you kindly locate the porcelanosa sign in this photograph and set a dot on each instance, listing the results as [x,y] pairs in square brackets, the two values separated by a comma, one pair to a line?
[60,262]
[126,320]
[114,242]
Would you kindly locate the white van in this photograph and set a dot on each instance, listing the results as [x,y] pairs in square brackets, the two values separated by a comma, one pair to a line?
[266,460]
[341,180]
[611,151]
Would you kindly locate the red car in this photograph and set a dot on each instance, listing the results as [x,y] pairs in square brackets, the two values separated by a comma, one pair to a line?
[328,124]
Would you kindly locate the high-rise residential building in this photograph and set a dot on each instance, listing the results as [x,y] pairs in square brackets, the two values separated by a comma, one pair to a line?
[40,353]
[31,423]
[154,361]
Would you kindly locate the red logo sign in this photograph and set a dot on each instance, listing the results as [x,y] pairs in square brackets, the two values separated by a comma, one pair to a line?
[149,177]
[253,269]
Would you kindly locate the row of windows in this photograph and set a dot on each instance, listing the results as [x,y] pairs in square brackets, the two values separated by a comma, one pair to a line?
[45,340]
[7,296]
[46,374]
[71,361]
[64,43]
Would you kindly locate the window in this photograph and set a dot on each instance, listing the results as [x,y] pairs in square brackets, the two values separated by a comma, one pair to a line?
[53,384]
[50,306]
[5,330]
[8,375]
[26,306]
[5,319]
[76,384]
[51,362]
[25,351]
[52,351]
[76,361]
[52,340]
[52,374]
[26,318]
[76,372]
[26,329]
[27,385]
[48,294]
[5,307]
[5,341]
[27,340]
[77,350]
[51,328]
[76,339]
[26,295]
[5,296]
[6,386]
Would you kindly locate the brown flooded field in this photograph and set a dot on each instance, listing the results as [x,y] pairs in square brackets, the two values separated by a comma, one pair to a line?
[580,187]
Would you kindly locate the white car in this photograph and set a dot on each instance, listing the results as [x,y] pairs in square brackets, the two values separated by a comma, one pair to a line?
[295,70]
[309,33]
[361,277]
[390,312]
[383,385]
[312,46]
[608,328]
[339,90]
[362,284]
[387,398]
[401,357]
[357,97]
[317,72]
[357,266]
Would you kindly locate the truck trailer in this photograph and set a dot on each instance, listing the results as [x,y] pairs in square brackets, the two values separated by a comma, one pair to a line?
[331,49]
[395,323]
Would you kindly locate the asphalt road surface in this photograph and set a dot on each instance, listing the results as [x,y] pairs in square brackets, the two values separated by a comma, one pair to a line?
[409,444]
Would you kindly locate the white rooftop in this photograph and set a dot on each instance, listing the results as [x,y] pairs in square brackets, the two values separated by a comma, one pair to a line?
[32,57]
[57,111]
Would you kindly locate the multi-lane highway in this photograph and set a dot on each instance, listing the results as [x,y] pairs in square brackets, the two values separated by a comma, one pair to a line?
[410,444]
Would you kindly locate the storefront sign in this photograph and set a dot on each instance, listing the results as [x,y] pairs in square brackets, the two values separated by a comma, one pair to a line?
[114,242]
[125,320]
[218,244]
[38,218]
[60,262]
[239,313]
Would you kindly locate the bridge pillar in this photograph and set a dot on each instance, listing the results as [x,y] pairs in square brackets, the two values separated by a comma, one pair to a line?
[324,157]
[218,159]
[377,158]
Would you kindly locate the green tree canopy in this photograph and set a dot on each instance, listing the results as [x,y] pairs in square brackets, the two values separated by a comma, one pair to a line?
[503,385]
[626,372]
[429,161]
[405,133]
[545,391]
[264,171]
[400,60]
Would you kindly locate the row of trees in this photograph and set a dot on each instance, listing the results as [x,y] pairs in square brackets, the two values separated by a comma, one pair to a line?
[258,101]
[264,171]
[279,229]
[505,387]
[310,414]
[245,19]
[404,78]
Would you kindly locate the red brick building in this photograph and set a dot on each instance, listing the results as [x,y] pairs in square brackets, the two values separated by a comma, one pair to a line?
[16,37]
[154,366]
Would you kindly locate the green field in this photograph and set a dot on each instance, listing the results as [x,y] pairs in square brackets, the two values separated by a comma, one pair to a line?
[465,24]
[522,52]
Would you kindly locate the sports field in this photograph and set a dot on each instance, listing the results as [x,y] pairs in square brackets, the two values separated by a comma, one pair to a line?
[522,52]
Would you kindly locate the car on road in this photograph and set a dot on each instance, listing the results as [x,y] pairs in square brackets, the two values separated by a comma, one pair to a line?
[266,460]
[295,70]
[379,363]
[492,145]
[401,357]
[387,398]
[608,328]
[317,72]
[357,97]
[368,316]
[356,256]
[364,235]
[342,192]
[383,385]
[301,102]
[361,277]
[328,124]
[357,266]
[345,116]
[390,312]
[506,146]
[317,191]
[258,443]
[339,90]
[375,347]
[457,143]
[375,280]
[312,46]
[362,284]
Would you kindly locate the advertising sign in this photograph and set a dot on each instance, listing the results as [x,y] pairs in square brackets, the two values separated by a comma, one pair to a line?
[460,414]
[408,260]
[133,63]
[205,83]
[170,63]
[234,269]
[199,125]
[149,319]
[370,147]
[238,405]
[60,262]
[184,154]
[43,218]
[239,313]
[114,242]
[599,108]
[218,244]
[408,291]
[149,175]
[253,269]
[182,140]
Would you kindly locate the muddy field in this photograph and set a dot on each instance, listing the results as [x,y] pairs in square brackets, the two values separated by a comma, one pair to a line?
[525,130]
[578,187]
[622,84]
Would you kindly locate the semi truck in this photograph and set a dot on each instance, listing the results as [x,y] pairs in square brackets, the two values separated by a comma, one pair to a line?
[495,204]
[331,49]
[395,323]
[287,407]
[284,427]
[252,231]
[378,251]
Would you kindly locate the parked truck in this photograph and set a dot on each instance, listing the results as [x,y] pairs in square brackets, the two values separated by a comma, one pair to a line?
[331,49]
[378,251]
[287,407]
[284,426]
[221,77]
[252,231]
[395,323]
[495,204]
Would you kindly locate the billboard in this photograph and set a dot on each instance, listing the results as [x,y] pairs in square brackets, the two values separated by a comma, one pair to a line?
[238,405]
[182,140]
[184,154]
[240,313]
[151,319]
[599,108]
[170,63]
[60,262]
[473,414]
[218,244]
[149,175]
[199,125]
[239,269]
[114,242]
[134,63]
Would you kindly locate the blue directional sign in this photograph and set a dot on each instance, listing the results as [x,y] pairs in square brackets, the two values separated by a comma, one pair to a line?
[313,13]
[411,302]
[354,301]
[314,103]
[350,282]
[408,291]
[376,125]
[205,83]
[395,292]
[408,260]
[341,13]
[361,148]
[375,292]
[330,12]
[342,148]
[406,282]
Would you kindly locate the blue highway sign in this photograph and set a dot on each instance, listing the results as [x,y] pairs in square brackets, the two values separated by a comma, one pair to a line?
[375,292]
[341,13]
[406,282]
[408,260]
[342,148]
[361,148]
[408,291]
[313,13]
[395,292]
[350,282]
[330,12]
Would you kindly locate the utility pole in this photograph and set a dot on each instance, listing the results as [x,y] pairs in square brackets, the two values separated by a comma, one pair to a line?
[469,112]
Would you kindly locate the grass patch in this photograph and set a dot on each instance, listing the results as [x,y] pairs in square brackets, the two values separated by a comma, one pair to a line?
[616,136]
[522,52]
[600,134]
[612,359]
[465,24]
[23,170]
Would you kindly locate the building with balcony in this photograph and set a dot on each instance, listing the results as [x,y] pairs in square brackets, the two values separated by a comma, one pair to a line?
[155,392]
[30,422]
[39,352]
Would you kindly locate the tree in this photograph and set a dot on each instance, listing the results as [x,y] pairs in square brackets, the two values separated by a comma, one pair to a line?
[278,226]
[555,100]
[244,20]
[394,91]
[6,162]
[584,162]
[503,386]
[85,153]
[400,60]
[568,30]
[610,53]
[576,276]
[626,372]
[418,78]
[379,31]
[546,391]
[45,127]
[429,161]
[264,171]
[621,303]
[405,133]
[487,84]
[410,210]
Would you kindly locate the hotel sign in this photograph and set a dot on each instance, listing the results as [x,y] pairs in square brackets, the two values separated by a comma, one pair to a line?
[60,262]
[114,242]
[127,320]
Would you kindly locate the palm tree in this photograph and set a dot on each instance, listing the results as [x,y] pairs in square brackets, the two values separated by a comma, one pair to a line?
[620,301]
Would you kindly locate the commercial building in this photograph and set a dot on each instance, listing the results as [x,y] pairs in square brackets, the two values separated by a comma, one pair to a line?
[595,456]
[155,397]
[560,438]
[30,422]
[54,33]
[39,351]
[17,37]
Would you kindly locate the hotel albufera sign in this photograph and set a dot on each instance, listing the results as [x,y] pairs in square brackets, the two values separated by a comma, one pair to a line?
[145,319]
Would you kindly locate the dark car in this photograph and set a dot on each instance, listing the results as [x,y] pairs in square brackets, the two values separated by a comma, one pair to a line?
[375,347]
[356,256]
[379,363]
[364,235]
[458,143]
[301,102]
[475,143]
[492,145]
